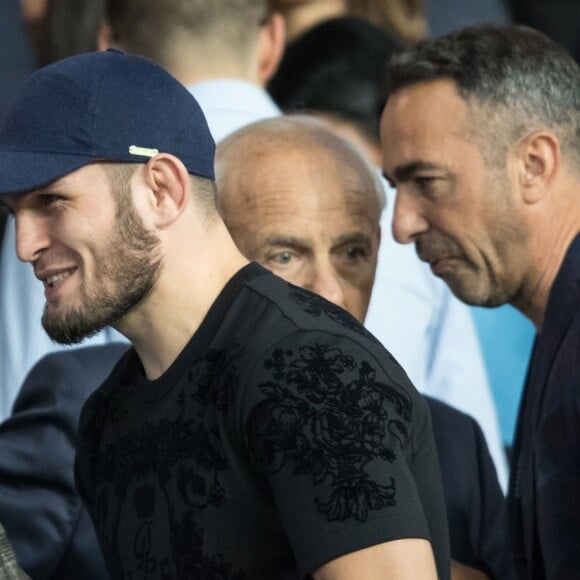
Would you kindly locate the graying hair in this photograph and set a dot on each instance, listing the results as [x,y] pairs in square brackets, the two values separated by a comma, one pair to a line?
[515,80]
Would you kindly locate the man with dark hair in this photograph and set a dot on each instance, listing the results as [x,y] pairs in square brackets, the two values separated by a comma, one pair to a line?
[254,430]
[481,139]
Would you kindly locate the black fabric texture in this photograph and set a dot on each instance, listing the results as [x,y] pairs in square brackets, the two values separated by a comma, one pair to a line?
[282,437]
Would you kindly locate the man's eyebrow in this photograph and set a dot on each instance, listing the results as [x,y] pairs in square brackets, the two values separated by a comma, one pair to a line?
[281,240]
[406,171]
[54,187]
[352,238]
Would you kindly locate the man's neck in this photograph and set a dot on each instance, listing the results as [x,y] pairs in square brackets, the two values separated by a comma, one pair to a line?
[189,284]
[548,252]
[191,63]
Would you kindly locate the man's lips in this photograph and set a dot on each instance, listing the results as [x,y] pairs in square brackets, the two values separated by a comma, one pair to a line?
[440,265]
[52,277]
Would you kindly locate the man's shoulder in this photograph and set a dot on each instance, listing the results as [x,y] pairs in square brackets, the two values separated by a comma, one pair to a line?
[68,375]
[304,311]
[101,355]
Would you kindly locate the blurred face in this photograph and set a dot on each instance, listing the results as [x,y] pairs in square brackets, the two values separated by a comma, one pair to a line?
[89,249]
[463,215]
[310,218]
[33,10]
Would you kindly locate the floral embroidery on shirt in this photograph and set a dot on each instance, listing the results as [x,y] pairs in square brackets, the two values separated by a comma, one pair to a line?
[326,416]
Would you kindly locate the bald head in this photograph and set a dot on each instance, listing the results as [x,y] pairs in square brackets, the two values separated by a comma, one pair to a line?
[304,203]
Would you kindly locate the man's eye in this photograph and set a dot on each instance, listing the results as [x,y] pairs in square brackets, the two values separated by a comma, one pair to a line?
[281,258]
[355,252]
[426,185]
[49,199]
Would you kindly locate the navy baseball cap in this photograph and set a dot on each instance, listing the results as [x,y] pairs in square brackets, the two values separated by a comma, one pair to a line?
[110,106]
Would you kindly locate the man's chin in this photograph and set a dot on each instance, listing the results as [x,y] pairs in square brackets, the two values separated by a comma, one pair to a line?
[471,295]
[466,289]
[63,332]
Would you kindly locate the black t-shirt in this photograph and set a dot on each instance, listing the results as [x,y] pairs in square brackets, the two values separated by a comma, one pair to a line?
[282,437]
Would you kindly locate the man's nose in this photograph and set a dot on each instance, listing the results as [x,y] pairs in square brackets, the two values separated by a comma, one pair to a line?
[31,236]
[326,282]
[408,220]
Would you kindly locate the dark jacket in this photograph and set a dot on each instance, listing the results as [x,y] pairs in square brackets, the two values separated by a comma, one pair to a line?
[474,502]
[544,497]
[50,530]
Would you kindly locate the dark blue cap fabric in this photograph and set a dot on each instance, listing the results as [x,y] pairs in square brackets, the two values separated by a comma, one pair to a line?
[100,106]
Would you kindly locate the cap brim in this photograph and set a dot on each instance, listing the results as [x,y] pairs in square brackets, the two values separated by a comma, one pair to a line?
[23,171]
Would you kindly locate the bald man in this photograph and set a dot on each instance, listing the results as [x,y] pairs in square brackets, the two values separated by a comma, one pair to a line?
[306,204]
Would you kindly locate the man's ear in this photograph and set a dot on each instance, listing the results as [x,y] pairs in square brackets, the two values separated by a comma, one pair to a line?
[271,46]
[168,181]
[538,160]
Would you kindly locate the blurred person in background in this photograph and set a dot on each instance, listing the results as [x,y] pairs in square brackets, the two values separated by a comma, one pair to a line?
[223,51]
[403,20]
[61,28]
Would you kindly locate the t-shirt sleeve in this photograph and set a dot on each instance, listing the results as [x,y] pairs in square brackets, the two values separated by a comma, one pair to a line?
[331,425]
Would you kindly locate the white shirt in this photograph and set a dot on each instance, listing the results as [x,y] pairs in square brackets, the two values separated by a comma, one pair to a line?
[229,104]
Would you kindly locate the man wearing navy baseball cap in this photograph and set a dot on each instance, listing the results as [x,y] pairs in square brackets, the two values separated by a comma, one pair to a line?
[254,430]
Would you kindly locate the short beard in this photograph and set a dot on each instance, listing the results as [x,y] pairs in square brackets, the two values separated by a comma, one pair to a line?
[128,268]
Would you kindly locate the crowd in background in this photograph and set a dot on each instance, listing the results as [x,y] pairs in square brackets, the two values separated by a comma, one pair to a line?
[312,72]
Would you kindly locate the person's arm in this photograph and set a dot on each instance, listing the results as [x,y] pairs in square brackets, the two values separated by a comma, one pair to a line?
[396,560]
[345,445]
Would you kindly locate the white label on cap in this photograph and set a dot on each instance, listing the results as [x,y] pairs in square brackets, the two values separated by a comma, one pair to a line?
[143,151]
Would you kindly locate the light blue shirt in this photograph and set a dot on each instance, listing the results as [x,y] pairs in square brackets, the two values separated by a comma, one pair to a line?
[432,335]
[229,104]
